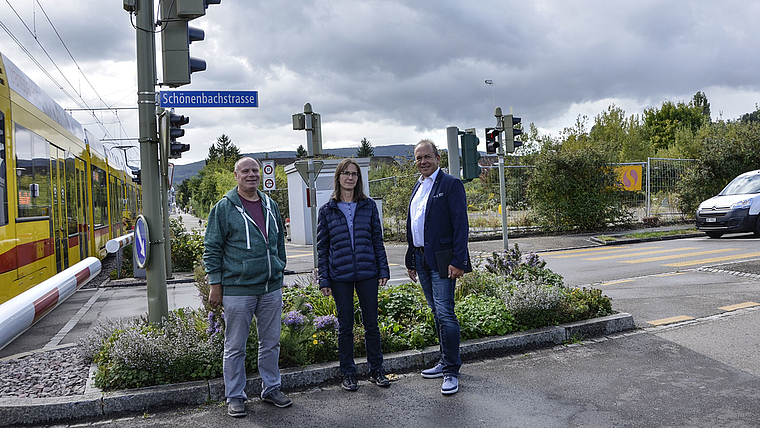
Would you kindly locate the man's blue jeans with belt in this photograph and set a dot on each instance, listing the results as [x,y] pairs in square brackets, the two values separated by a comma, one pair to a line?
[439,293]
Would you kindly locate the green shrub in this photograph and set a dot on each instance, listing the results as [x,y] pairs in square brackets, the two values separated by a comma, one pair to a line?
[187,248]
[515,294]
[482,316]
[575,190]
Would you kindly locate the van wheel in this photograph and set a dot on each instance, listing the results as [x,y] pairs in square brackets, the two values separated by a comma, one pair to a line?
[714,234]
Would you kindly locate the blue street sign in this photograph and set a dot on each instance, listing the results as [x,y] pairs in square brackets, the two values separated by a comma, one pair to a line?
[142,242]
[170,99]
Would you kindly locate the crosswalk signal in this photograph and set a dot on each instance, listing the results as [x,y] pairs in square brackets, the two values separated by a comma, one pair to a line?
[176,36]
[510,132]
[470,156]
[492,140]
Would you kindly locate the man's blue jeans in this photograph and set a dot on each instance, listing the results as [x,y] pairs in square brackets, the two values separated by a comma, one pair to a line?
[238,314]
[439,293]
[366,291]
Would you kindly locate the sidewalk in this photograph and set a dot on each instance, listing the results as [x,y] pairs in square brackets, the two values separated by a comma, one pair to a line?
[127,301]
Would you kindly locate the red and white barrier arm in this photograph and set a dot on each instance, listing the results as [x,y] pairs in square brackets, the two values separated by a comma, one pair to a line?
[22,311]
[114,244]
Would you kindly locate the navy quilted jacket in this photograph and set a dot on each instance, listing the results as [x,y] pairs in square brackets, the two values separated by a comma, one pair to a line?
[336,259]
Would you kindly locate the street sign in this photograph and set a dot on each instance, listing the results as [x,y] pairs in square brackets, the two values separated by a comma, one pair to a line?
[170,99]
[142,242]
[267,168]
[303,169]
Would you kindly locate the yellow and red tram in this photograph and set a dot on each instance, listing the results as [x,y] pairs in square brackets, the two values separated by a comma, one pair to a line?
[61,197]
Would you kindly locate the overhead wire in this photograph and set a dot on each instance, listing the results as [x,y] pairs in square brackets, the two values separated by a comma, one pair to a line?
[83,104]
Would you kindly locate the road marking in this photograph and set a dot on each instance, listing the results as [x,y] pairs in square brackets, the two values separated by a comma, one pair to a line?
[676,256]
[739,306]
[670,274]
[713,260]
[670,320]
[643,253]
[584,251]
[56,340]
[619,281]
[292,256]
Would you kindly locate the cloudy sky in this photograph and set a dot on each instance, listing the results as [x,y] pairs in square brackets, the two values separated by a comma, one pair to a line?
[398,71]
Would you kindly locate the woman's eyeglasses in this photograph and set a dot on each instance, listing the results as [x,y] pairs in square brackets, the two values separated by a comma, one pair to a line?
[349,174]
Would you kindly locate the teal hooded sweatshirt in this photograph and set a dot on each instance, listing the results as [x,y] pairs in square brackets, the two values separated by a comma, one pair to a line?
[236,253]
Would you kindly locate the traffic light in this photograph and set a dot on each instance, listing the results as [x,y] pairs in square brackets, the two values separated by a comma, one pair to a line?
[510,132]
[176,121]
[470,156]
[176,36]
[136,177]
[492,140]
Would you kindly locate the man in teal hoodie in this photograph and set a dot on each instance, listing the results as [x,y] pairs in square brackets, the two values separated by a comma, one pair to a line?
[245,258]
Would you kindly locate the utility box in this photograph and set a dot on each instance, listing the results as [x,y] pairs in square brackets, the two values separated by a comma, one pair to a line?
[300,213]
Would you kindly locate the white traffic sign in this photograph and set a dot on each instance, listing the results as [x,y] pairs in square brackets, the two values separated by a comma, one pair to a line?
[267,169]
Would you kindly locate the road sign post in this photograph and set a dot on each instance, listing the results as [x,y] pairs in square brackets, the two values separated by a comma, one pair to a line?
[268,177]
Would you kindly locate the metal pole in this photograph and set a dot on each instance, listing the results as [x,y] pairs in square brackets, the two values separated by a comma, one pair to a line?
[308,113]
[502,181]
[165,210]
[155,272]
[452,136]
[649,195]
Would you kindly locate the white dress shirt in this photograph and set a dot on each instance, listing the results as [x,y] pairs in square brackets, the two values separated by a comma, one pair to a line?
[418,207]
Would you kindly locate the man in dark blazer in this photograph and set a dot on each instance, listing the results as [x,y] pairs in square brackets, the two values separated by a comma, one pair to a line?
[436,231]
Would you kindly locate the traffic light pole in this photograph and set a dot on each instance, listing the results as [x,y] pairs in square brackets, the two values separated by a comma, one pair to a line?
[309,116]
[502,180]
[146,86]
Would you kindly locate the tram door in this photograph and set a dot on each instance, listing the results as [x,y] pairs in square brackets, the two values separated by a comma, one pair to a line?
[83,226]
[60,235]
[74,216]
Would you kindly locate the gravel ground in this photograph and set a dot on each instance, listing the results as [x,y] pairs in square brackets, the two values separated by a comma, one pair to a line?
[57,373]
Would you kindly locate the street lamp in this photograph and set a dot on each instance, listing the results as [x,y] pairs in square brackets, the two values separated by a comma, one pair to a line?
[493,97]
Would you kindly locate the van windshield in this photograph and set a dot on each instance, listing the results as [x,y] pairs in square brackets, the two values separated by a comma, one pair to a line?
[743,185]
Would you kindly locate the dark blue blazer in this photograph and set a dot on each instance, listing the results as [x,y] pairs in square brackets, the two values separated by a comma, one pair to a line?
[446,225]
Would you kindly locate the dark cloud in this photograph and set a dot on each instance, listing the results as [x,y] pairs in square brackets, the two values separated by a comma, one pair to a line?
[421,64]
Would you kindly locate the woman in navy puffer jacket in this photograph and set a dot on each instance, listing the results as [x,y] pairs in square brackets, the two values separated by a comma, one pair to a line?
[351,256]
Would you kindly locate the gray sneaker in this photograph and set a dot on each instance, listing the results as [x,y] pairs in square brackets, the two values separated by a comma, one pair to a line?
[277,398]
[236,408]
[450,385]
[433,372]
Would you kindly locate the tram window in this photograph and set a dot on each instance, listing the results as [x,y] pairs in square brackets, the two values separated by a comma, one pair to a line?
[33,173]
[3,187]
[99,197]
[71,197]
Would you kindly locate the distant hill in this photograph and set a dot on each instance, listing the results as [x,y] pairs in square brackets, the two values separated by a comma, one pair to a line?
[182,172]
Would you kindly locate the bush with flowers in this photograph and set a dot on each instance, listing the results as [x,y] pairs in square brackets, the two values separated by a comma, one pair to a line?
[510,293]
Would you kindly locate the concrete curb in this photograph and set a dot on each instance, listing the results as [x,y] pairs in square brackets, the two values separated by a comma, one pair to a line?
[95,404]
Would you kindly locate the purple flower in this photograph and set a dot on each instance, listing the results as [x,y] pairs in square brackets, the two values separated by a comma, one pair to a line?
[307,307]
[327,321]
[294,319]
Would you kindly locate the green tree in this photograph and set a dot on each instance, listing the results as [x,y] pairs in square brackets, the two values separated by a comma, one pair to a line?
[224,152]
[365,149]
[700,101]
[301,152]
[728,149]
[662,123]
